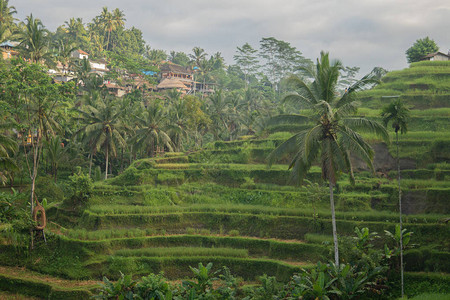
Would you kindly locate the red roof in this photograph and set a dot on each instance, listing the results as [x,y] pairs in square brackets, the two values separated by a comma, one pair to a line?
[82,52]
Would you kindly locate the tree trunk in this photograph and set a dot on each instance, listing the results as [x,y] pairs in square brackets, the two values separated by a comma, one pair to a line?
[106,167]
[333,222]
[107,43]
[400,210]
[90,163]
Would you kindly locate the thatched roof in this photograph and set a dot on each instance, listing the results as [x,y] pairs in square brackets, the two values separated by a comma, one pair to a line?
[171,83]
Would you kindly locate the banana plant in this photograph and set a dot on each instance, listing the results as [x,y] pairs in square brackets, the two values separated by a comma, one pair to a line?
[204,277]
[122,289]
[396,236]
[318,284]
[364,238]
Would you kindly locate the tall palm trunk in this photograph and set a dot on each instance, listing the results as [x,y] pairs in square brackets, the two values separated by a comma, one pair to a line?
[90,163]
[333,222]
[107,43]
[106,168]
[400,210]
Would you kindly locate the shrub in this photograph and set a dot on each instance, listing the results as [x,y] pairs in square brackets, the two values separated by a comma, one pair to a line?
[131,176]
[234,232]
[82,187]
[48,189]
[9,205]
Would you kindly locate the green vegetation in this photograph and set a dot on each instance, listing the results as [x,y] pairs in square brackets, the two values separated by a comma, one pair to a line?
[153,182]
[421,48]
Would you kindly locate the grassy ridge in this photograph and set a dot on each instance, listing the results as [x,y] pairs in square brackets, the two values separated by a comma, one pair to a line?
[183,251]
[283,227]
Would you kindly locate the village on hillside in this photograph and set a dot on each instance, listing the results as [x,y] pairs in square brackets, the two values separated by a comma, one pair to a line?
[171,76]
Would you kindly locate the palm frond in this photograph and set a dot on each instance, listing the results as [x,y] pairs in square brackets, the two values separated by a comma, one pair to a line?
[366,125]
[357,145]
[287,147]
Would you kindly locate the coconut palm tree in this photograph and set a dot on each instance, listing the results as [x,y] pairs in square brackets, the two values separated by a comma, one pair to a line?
[34,41]
[64,53]
[82,71]
[73,27]
[55,153]
[217,108]
[6,19]
[103,128]
[111,21]
[397,114]
[177,114]
[152,130]
[331,137]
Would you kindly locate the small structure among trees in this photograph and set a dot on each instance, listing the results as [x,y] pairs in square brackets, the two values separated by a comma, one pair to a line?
[421,48]
[437,56]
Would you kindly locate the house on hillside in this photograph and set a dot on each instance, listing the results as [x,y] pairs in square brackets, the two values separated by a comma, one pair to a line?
[173,83]
[116,90]
[139,82]
[7,49]
[437,56]
[177,74]
[99,67]
[80,54]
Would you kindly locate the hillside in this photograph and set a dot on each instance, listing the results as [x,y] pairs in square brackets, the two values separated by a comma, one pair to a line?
[223,204]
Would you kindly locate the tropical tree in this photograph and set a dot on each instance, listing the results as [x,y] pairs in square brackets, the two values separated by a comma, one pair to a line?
[421,48]
[111,21]
[64,52]
[178,116]
[198,55]
[34,43]
[6,12]
[82,71]
[75,28]
[6,19]
[331,136]
[217,108]
[247,59]
[55,153]
[103,128]
[7,147]
[38,101]
[397,113]
[152,130]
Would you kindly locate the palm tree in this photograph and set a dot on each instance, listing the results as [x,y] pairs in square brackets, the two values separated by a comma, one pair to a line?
[397,113]
[217,107]
[111,21]
[178,128]
[55,154]
[198,55]
[331,136]
[6,18]
[64,53]
[34,42]
[6,12]
[118,17]
[152,130]
[103,128]
[82,69]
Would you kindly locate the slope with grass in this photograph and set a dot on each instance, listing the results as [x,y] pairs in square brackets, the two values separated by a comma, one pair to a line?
[224,205]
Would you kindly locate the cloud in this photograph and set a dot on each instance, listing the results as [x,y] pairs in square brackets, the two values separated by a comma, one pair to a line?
[365,33]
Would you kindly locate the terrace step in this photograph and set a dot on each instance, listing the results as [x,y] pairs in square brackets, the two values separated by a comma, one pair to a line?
[27,282]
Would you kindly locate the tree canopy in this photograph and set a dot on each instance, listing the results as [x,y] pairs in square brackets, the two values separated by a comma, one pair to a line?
[421,48]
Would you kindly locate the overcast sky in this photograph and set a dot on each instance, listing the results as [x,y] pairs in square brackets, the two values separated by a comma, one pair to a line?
[364,33]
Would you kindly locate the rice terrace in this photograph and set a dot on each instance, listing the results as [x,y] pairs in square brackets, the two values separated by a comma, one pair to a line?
[131,172]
